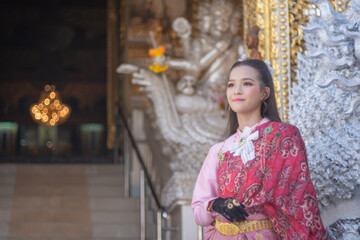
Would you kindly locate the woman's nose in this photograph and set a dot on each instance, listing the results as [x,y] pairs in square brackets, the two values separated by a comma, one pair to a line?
[238,89]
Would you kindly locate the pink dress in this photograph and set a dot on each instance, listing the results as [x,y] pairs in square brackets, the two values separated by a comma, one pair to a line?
[275,185]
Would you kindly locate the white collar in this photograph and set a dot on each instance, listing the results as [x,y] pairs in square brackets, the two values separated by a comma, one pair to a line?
[244,146]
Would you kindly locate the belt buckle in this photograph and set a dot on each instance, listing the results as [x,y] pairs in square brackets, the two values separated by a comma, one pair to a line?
[229,229]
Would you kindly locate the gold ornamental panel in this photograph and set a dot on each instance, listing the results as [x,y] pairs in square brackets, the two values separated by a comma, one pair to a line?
[339,5]
[272,16]
[280,37]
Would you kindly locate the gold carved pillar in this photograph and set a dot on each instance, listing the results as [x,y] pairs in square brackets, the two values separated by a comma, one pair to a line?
[280,38]
[111,46]
[272,16]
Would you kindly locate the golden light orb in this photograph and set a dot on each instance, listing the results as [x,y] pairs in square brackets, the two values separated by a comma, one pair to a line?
[44,118]
[47,101]
[49,144]
[52,95]
[52,122]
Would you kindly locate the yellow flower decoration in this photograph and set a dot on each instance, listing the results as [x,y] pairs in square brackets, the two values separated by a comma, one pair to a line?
[157,52]
[157,68]
[159,60]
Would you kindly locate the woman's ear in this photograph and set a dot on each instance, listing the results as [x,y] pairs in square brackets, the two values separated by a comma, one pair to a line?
[266,93]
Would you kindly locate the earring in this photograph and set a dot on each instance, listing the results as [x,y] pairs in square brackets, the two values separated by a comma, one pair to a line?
[265,108]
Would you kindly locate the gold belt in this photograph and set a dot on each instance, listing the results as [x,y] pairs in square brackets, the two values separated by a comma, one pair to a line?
[231,229]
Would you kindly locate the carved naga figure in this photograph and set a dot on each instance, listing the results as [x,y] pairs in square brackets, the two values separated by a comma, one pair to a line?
[339,49]
[325,106]
[188,114]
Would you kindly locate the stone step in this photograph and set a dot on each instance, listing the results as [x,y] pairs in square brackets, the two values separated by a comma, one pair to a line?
[50,190]
[104,170]
[45,229]
[4,215]
[62,190]
[71,230]
[50,202]
[114,203]
[106,191]
[75,216]
[50,215]
[121,217]
[61,169]
[50,170]
[7,169]
[95,180]
[109,230]
[70,202]
[7,179]
[6,191]
[5,202]
[71,238]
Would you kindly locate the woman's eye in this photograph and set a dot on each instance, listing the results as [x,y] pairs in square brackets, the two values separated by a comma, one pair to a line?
[230,85]
[248,84]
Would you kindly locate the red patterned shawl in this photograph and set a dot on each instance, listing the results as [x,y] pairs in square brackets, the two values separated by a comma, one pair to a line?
[276,183]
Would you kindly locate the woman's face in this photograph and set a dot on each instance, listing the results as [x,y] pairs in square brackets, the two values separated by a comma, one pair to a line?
[244,92]
[205,23]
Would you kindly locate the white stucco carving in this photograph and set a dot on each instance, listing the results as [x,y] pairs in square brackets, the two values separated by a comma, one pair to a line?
[206,62]
[326,100]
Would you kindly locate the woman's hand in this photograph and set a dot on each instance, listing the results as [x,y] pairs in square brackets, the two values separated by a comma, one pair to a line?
[230,208]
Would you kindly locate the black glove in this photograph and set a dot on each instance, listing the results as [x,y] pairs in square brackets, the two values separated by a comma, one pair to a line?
[230,208]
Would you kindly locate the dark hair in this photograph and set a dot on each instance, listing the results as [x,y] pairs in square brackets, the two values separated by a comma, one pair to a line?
[268,106]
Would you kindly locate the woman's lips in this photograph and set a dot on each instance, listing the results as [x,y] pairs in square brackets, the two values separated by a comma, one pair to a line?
[238,100]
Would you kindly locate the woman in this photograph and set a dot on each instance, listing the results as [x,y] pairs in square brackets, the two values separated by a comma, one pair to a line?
[256,184]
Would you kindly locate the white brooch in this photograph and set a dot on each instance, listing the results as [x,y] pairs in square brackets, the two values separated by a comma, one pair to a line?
[244,147]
